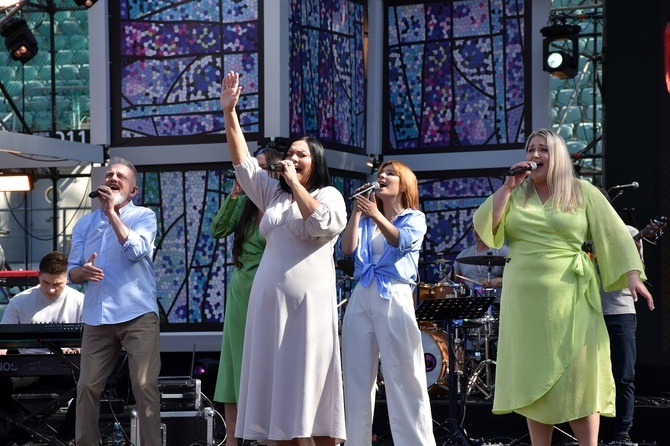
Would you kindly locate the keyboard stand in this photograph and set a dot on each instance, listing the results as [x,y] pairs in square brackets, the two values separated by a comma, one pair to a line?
[29,421]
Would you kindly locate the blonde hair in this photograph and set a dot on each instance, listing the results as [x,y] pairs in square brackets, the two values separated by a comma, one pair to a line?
[562,181]
[408,185]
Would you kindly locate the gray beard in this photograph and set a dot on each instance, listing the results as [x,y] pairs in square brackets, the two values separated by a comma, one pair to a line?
[120,199]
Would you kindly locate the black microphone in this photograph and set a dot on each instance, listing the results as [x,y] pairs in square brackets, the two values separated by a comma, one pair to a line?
[230,175]
[94,194]
[633,185]
[372,187]
[531,166]
[276,167]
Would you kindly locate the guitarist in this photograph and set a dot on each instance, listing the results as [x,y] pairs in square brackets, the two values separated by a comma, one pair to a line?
[621,321]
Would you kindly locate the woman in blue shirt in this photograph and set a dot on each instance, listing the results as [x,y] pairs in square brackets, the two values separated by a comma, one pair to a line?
[385,233]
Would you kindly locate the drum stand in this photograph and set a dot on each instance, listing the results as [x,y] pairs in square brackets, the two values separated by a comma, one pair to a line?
[449,309]
[475,381]
[482,376]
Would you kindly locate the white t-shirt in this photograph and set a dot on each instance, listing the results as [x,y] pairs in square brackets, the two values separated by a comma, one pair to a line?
[620,301]
[32,307]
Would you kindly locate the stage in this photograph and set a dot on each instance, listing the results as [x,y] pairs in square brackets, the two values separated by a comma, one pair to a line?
[481,427]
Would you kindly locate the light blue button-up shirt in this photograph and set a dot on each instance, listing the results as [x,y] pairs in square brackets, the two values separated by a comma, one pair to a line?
[128,289]
[395,263]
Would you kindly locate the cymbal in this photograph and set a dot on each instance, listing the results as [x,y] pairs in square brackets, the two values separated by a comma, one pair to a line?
[483,260]
[347,266]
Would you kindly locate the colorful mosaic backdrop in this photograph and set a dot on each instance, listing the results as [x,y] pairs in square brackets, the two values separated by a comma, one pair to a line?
[168,60]
[456,74]
[193,268]
[449,206]
[327,85]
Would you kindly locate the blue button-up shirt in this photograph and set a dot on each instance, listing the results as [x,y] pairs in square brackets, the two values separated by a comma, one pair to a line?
[395,263]
[128,289]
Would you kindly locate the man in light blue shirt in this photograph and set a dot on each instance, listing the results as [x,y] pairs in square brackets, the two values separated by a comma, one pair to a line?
[112,250]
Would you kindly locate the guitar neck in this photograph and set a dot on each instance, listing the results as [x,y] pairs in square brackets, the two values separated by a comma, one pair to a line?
[653,229]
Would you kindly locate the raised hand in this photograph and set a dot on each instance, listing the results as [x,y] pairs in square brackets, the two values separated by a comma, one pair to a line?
[230,91]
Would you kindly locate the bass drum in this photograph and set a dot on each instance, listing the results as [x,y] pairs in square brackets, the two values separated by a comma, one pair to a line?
[435,344]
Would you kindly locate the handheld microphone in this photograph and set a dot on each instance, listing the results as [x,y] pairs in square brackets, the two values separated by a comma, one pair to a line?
[94,194]
[633,185]
[276,167]
[531,166]
[230,175]
[372,187]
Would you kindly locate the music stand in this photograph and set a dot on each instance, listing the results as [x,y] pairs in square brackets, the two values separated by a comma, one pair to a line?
[448,309]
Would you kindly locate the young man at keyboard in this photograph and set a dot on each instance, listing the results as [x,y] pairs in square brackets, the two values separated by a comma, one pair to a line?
[52,301]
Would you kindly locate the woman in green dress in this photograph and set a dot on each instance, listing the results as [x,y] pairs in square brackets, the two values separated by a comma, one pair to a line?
[240,216]
[553,362]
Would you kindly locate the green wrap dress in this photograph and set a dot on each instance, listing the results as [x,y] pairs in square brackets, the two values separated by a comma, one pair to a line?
[553,362]
[237,299]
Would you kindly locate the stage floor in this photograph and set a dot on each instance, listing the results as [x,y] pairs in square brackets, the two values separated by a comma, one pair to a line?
[481,427]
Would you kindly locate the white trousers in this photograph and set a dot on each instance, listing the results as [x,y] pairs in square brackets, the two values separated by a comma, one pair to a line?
[375,327]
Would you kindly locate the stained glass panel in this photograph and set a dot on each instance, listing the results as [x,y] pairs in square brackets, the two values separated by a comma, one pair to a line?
[456,75]
[168,62]
[327,82]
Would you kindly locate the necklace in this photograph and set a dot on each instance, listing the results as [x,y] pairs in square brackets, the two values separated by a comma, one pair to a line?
[391,220]
[397,215]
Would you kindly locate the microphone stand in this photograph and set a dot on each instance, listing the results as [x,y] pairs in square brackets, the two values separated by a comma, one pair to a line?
[619,193]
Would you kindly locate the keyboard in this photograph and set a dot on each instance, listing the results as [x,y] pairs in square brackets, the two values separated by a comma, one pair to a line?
[35,335]
[20,278]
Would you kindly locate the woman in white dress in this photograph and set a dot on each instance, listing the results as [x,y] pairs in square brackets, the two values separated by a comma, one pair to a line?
[291,387]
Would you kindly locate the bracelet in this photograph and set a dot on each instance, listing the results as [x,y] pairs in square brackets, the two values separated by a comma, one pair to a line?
[507,187]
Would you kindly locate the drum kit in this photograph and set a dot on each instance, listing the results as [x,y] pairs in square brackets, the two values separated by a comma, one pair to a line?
[474,338]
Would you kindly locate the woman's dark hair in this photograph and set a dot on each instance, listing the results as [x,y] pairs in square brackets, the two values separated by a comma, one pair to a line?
[319,176]
[247,221]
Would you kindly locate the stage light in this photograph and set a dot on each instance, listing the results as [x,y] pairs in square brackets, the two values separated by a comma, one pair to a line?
[87,3]
[8,3]
[19,40]
[560,50]
[205,369]
[16,183]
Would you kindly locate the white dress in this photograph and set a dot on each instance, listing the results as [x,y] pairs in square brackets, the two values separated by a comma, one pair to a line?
[291,384]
